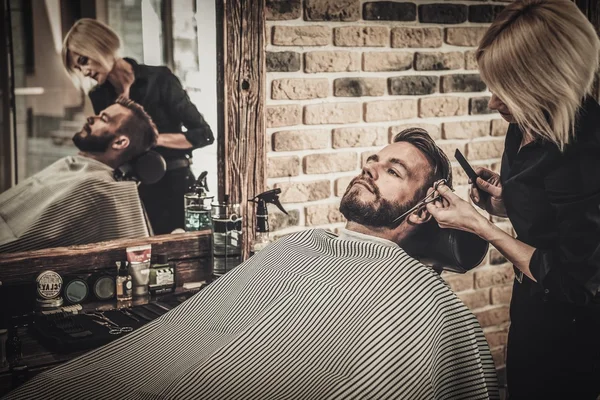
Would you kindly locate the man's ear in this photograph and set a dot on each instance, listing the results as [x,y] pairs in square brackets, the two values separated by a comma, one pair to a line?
[419,216]
[121,142]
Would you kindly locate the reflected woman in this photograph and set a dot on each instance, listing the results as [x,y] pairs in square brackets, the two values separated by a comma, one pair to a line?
[91,49]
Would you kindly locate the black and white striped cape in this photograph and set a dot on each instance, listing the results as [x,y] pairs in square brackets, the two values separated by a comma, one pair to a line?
[311,316]
[74,201]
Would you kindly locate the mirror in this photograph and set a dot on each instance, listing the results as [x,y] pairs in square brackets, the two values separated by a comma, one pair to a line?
[49,108]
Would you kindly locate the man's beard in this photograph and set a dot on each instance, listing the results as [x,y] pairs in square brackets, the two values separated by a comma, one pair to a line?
[90,143]
[378,213]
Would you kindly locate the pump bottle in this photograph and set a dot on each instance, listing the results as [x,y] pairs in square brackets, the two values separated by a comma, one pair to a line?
[261,236]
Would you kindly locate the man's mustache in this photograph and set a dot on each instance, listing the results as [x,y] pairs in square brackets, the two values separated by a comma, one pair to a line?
[87,128]
[366,181]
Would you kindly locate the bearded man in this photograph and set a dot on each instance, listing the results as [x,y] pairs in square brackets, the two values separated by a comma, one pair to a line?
[311,316]
[77,200]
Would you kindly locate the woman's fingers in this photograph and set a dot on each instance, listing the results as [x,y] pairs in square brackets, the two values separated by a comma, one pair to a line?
[488,187]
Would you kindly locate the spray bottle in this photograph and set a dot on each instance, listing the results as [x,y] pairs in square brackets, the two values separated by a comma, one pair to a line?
[261,236]
[197,205]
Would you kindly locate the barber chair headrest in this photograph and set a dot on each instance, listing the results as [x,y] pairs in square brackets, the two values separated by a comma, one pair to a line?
[148,168]
[450,249]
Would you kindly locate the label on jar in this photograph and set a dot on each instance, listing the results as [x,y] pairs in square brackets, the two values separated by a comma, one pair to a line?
[49,285]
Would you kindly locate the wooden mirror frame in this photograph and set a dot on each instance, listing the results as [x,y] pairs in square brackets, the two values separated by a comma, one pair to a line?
[241,151]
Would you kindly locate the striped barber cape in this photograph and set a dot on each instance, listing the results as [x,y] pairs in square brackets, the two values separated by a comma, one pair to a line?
[74,201]
[311,316]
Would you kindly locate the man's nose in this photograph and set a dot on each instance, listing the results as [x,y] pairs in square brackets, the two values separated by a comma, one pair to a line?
[90,120]
[370,171]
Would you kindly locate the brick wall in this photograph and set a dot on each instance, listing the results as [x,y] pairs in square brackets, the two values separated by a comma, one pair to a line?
[344,76]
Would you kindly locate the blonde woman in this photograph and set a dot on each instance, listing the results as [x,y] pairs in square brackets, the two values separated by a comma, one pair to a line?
[538,59]
[91,49]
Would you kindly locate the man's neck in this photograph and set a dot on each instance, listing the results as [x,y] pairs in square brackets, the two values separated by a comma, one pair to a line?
[101,157]
[397,235]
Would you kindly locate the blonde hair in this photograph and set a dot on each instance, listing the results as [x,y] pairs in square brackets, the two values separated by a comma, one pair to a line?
[540,57]
[90,38]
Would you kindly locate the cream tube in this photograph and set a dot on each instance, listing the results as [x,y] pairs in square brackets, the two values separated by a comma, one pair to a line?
[139,258]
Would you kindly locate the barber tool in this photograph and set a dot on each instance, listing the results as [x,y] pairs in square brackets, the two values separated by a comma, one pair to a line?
[430,198]
[261,236]
[197,205]
[49,285]
[469,171]
[142,314]
[114,328]
[227,236]
[72,309]
[129,315]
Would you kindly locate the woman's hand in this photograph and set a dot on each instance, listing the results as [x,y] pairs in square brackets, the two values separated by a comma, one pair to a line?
[487,192]
[453,212]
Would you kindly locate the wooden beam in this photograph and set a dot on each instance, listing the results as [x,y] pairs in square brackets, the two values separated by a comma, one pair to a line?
[191,250]
[242,145]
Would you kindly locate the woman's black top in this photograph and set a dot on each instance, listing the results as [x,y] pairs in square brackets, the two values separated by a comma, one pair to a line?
[553,201]
[165,100]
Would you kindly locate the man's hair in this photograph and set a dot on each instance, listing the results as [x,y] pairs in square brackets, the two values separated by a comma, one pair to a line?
[440,164]
[138,127]
[539,57]
[90,38]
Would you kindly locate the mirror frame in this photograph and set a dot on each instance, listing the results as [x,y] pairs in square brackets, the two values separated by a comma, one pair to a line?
[241,132]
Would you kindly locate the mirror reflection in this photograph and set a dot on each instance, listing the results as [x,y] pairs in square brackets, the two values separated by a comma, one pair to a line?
[72,60]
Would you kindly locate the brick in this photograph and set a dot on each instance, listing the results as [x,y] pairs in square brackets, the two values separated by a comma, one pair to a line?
[433,130]
[413,85]
[283,61]
[459,177]
[499,127]
[494,276]
[459,282]
[279,10]
[299,89]
[300,140]
[450,146]
[462,83]
[358,87]
[341,184]
[332,113]
[470,60]
[389,11]
[359,137]
[332,10]
[496,257]
[330,162]
[443,13]
[286,115]
[361,36]
[466,129]
[485,149]
[493,316]
[438,61]
[502,294]
[323,214]
[496,338]
[442,107]
[314,35]
[416,37]
[499,356]
[479,105]
[279,167]
[378,111]
[278,220]
[300,192]
[463,36]
[387,61]
[331,61]
[475,299]
[484,12]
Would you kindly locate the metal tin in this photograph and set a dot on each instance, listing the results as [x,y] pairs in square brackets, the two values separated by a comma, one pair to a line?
[49,285]
[51,303]
[104,287]
[76,290]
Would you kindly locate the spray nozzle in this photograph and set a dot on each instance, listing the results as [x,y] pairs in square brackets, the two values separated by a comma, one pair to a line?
[270,196]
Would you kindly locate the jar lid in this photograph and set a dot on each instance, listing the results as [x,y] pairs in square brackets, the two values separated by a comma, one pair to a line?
[49,285]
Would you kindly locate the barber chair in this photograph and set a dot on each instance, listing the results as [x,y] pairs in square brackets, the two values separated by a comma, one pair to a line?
[148,168]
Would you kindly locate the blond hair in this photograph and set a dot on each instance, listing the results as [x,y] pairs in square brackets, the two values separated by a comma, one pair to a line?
[93,39]
[540,57]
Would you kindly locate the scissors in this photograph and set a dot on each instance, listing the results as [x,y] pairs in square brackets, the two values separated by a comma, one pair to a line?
[430,198]
[113,328]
